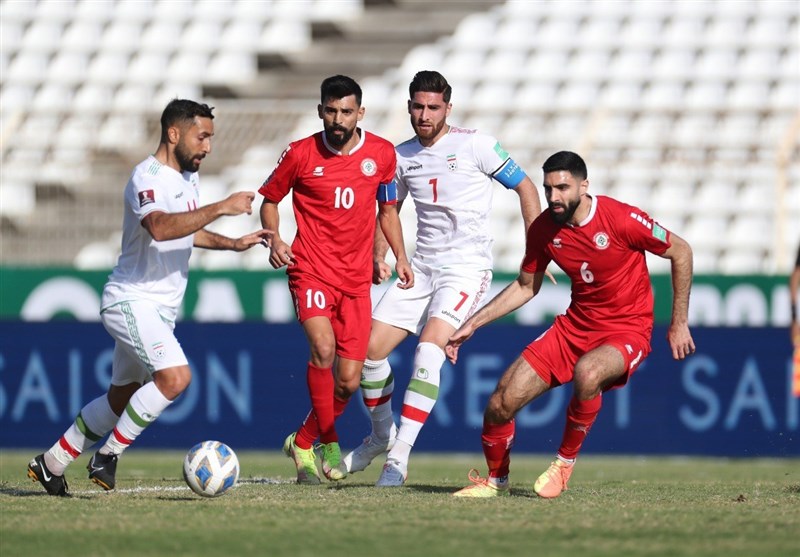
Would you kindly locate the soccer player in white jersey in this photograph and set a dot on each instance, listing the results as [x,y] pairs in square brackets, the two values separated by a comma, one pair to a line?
[449,173]
[162,221]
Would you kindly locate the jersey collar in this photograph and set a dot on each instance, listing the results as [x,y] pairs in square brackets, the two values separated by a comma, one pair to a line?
[362,137]
[590,216]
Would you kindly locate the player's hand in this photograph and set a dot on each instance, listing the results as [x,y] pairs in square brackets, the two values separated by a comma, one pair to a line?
[549,275]
[405,274]
[380,271]
[280,253]
[238,203]
[254,238]
[456,340]
[794,331]
[680,340]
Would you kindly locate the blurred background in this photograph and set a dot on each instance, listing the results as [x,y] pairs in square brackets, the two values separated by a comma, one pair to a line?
[687,109]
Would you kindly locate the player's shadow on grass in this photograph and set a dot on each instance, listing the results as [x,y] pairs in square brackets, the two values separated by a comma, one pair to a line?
[16,492]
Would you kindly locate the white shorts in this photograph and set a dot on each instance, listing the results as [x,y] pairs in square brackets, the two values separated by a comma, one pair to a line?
[450,294]
[144,341]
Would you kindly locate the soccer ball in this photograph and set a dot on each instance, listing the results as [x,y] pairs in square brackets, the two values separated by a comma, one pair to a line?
[210,468]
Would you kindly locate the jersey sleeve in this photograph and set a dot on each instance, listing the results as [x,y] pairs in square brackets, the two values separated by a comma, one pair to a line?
[144,197]
[641,231]
[494,161]
[387,188]
[280,182]
[536,257]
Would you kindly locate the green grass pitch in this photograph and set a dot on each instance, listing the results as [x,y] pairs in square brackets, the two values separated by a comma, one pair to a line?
[615,506]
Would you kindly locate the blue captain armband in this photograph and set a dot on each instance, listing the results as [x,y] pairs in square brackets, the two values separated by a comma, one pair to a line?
[510,174]
[387,193]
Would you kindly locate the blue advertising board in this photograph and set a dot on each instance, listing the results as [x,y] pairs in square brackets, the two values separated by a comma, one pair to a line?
[732,398]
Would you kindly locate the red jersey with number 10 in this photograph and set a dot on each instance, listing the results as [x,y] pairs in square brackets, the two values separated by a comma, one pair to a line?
[604,258]
[334,206]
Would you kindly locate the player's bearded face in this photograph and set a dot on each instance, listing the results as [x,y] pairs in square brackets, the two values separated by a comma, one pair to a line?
[339,120]
[562,210]
[194,144]
[338,135]
[428,113]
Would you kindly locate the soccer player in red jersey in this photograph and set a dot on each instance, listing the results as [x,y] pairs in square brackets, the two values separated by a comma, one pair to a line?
[336,175]
[604,335]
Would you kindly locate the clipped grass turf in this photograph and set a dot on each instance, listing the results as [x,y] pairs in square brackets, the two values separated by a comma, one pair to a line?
[615,506]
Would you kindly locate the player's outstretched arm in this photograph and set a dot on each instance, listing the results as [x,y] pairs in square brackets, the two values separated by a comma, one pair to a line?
[171,226]
[389,221]
[211,240]
[529,203]
[678,335]
[513,296]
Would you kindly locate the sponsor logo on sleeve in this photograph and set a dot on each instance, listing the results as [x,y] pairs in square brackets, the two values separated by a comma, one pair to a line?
[502,153]
[146,197]
[659,232]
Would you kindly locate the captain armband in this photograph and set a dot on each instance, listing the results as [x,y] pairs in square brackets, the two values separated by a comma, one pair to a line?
[510,174]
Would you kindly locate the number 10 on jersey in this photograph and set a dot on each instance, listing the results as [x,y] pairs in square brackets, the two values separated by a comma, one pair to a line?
[345,197]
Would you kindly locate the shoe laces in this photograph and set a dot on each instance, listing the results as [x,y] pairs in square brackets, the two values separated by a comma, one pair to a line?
[556,469]
[474,476]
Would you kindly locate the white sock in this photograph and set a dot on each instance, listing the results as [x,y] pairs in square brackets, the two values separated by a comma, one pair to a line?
[419,399]
[377,386]
[91,424]
[145,406]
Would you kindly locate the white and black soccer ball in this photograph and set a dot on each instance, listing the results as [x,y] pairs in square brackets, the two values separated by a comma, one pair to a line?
[211,468]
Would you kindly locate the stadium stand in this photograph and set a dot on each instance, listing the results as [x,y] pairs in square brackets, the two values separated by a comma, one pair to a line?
[690,109]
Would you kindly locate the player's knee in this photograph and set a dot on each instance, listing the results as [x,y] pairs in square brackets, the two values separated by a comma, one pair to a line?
[323,353]
[173,381]
[498,411]
[344,389]
[586,382]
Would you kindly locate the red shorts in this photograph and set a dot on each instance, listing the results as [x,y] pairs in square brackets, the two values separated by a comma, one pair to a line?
[350,316]
[554,354]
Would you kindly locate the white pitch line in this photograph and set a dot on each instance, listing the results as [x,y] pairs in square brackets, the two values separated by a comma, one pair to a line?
[156,489]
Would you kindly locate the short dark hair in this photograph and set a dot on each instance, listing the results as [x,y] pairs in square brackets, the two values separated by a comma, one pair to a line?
[430,81]
[339,87]
[181,111]
[566,160]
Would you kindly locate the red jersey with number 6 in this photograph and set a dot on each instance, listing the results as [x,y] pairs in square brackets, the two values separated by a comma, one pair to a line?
[334,206]
[604,258]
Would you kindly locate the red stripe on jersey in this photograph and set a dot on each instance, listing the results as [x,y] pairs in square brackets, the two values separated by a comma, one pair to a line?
[71,451]
[121,438]
[373,402]
[415,414]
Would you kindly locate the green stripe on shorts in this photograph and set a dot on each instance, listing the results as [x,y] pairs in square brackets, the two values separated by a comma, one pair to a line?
[133,330]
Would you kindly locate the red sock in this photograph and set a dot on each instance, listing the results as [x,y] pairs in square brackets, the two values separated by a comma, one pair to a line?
[581,414]
[320,388]
[497,440]
[309,431]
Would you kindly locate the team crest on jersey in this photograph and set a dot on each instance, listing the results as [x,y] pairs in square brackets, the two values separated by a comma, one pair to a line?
[159,350]
[368,167]
[601,240]
[556,242]
[146,197]
[452,163]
